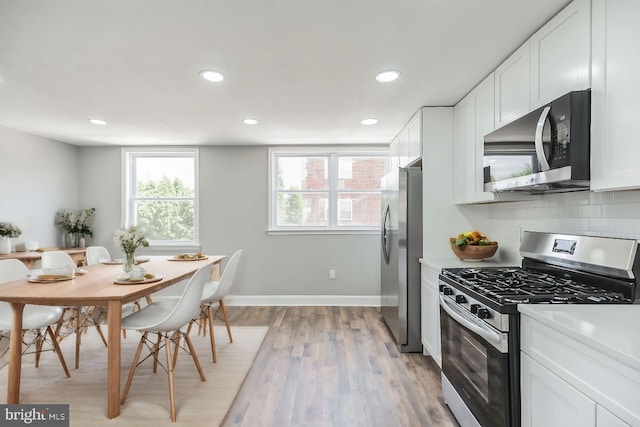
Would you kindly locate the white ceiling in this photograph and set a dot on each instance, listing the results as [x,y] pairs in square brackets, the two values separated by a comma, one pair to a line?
[305,69]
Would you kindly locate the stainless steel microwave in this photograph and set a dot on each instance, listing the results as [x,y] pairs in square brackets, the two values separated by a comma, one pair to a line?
[547,150]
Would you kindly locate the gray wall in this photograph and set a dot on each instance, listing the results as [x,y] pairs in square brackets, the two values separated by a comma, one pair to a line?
[38,177]
[233,215]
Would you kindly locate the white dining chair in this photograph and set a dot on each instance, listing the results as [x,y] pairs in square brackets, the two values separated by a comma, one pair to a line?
[166,319]
[57,259]
[96,254]
[213,298]
[36,318]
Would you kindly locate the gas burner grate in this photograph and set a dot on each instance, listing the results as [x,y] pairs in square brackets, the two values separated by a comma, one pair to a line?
[512,285]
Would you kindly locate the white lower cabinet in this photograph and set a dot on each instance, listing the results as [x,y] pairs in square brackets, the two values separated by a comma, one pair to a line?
[566,383]
[548,401]
[430,319]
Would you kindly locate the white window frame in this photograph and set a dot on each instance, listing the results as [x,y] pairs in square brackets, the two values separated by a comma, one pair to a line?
[348,202]
[129,189]
[334,153]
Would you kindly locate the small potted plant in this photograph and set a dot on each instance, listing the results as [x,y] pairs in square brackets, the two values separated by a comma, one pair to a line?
[77,224]
[7,232]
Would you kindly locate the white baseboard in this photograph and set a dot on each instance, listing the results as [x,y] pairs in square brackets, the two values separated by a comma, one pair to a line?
[303,300]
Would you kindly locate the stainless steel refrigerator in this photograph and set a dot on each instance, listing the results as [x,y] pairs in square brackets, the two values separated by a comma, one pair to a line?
[401,241]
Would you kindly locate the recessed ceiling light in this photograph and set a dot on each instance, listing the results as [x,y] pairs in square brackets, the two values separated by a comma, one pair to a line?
[97,122]
[212,76]
[387,76]
[369,122]
[250,121]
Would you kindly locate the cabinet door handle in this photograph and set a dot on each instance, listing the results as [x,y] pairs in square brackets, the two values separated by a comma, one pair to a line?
[542,159]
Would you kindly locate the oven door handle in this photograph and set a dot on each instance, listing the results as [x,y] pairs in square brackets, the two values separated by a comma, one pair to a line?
[494,338]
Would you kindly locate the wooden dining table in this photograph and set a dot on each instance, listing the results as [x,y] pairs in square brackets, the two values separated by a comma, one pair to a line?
[94,288]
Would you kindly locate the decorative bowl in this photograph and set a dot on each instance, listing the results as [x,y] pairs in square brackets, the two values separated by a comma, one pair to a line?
[474,252]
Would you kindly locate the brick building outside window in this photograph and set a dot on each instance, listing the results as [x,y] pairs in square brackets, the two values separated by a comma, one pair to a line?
[327,190]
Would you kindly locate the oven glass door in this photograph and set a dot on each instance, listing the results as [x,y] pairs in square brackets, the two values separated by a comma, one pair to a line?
[478,371]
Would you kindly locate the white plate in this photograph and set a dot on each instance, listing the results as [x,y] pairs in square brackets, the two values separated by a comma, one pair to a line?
[124,280]
[49,278]
[187,257]
[138,260]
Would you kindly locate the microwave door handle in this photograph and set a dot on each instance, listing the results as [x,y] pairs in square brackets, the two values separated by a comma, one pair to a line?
[492,337]
[542,159]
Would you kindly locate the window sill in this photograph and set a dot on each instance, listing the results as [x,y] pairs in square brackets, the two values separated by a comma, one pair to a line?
[277,232]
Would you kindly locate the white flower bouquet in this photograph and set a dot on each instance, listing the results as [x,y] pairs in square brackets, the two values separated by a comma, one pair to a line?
[129,240]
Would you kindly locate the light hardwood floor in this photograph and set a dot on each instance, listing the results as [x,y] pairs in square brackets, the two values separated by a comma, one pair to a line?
[333,366]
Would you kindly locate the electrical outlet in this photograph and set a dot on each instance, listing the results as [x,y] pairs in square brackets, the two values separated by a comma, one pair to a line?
[332,274]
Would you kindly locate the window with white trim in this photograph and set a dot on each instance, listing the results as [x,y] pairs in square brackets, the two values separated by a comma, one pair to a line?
[161,194]
[320,190]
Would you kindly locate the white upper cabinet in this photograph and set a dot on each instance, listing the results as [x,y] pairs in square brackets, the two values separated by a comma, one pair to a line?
[605,418]
[409,142]
[474,118]
[484,97]
[561,54]
[394,154]
[463,156]
[512,86]
[615,128]
[415,137]
[403,147]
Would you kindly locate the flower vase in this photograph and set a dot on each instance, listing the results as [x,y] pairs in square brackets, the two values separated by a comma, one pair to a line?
[72,240]
[129,261]
[5,245]
[82,242]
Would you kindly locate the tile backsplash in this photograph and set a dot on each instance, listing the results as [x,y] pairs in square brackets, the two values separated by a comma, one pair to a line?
[609,214]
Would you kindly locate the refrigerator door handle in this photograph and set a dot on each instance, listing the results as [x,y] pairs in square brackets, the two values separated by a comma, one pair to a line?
[385,239]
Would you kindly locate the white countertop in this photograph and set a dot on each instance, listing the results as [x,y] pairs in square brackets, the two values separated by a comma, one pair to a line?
[613,329]
[453,262]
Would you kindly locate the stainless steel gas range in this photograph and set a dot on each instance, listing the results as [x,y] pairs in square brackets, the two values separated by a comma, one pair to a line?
[480,325]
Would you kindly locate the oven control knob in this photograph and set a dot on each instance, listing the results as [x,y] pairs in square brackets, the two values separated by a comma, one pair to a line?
[474,308]
[483,313]
[460,299]
[447,291]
